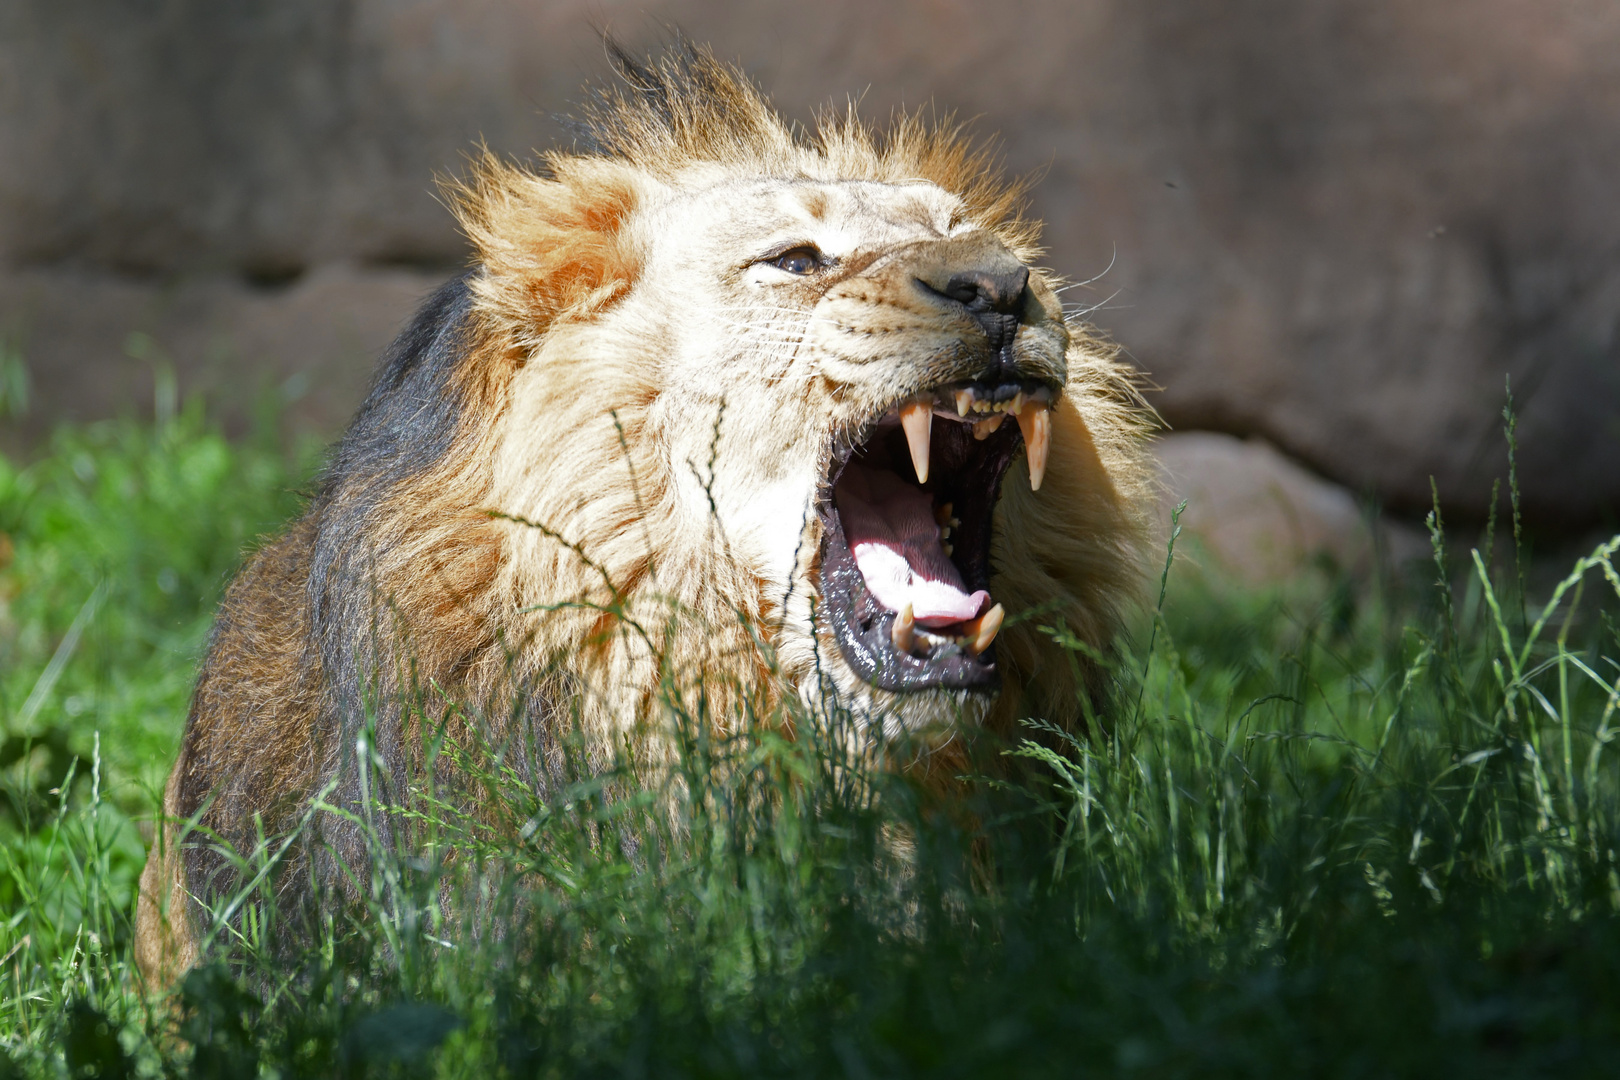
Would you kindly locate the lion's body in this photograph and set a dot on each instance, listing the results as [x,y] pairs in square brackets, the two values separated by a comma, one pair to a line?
[610,411]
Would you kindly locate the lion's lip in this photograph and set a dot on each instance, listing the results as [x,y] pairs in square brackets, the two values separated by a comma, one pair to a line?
[905,565]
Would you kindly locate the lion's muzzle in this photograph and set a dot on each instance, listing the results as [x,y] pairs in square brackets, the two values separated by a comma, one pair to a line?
[991,291]
[907,523]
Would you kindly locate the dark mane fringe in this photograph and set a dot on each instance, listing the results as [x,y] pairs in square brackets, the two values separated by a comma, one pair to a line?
[682,98]
[339,584]
[403,429]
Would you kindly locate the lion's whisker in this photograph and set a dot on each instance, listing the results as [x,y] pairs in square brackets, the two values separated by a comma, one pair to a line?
[1082,312]
[1089,280]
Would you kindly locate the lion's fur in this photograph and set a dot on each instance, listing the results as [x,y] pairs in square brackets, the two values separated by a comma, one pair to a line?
[552,492]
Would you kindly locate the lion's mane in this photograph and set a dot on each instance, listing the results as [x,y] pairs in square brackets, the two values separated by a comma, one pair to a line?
[537,547]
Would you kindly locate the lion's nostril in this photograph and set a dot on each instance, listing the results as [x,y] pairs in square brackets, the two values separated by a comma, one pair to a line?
[987,291]
[993,298]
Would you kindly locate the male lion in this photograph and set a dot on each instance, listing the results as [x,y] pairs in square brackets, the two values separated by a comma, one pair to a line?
[806,390]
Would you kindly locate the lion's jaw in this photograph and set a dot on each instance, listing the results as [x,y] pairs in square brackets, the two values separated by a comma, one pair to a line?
[771,384]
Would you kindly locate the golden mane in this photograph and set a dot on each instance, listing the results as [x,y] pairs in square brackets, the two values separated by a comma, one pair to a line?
[601,465]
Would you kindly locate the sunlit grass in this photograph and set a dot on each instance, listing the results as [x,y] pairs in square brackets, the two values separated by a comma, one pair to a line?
[1355,831]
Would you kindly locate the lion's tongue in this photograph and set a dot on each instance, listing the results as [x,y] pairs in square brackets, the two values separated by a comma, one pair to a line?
[889,526]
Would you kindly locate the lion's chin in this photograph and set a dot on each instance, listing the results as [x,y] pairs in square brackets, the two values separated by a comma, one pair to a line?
[905,553]
[923,719]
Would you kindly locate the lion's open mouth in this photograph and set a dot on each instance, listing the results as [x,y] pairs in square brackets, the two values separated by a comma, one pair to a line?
[905,567]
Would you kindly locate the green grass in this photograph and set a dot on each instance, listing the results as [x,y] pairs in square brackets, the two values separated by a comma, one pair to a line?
[1348,832]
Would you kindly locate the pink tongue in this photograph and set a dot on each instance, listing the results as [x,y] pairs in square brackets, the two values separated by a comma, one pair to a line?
[889,526]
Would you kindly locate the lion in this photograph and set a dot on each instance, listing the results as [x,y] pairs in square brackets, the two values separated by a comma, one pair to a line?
[807,388]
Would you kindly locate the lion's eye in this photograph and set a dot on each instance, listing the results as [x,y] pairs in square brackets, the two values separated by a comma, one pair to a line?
[799,260]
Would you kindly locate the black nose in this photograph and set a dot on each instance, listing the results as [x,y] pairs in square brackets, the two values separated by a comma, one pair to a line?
[995,299]
[989,291]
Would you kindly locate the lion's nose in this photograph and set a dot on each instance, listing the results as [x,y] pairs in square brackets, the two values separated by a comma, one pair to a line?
[993,297]
[991,291]
[978,276]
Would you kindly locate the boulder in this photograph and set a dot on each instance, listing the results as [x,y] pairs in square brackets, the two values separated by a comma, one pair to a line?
[1338,225]
[1258,517]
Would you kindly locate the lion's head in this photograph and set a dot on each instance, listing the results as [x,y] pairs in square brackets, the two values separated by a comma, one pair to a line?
[809,383]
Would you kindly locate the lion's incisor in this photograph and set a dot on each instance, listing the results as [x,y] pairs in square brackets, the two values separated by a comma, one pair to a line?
[787,384]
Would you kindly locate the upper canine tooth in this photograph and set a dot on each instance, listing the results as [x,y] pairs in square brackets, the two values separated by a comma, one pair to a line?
[985,428]
[964,401]
[982,631]
[1036,423]
[918,420]
[903,632]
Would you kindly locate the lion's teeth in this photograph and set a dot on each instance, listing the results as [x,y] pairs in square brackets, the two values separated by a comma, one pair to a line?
[1017,403]
[983,429]
[982,631]
[918,420]
[1036,422]
[964,401]
[903,633]
[943,513]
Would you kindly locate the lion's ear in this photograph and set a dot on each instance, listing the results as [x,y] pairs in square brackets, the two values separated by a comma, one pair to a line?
[550,246]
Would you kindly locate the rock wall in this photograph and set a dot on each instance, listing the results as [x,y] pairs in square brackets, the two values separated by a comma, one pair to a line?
[1336,224]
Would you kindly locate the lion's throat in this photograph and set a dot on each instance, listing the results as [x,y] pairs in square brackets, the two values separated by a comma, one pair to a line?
[890,528]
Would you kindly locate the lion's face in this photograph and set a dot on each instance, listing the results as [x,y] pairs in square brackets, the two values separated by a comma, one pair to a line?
[845,372]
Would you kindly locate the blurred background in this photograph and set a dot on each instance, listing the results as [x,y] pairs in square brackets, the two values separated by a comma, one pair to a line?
[1329,229]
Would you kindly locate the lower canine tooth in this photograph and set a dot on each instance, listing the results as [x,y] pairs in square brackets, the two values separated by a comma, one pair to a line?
[983,630]
[903,633]
[917,419]
[1036,422]
[985,428]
